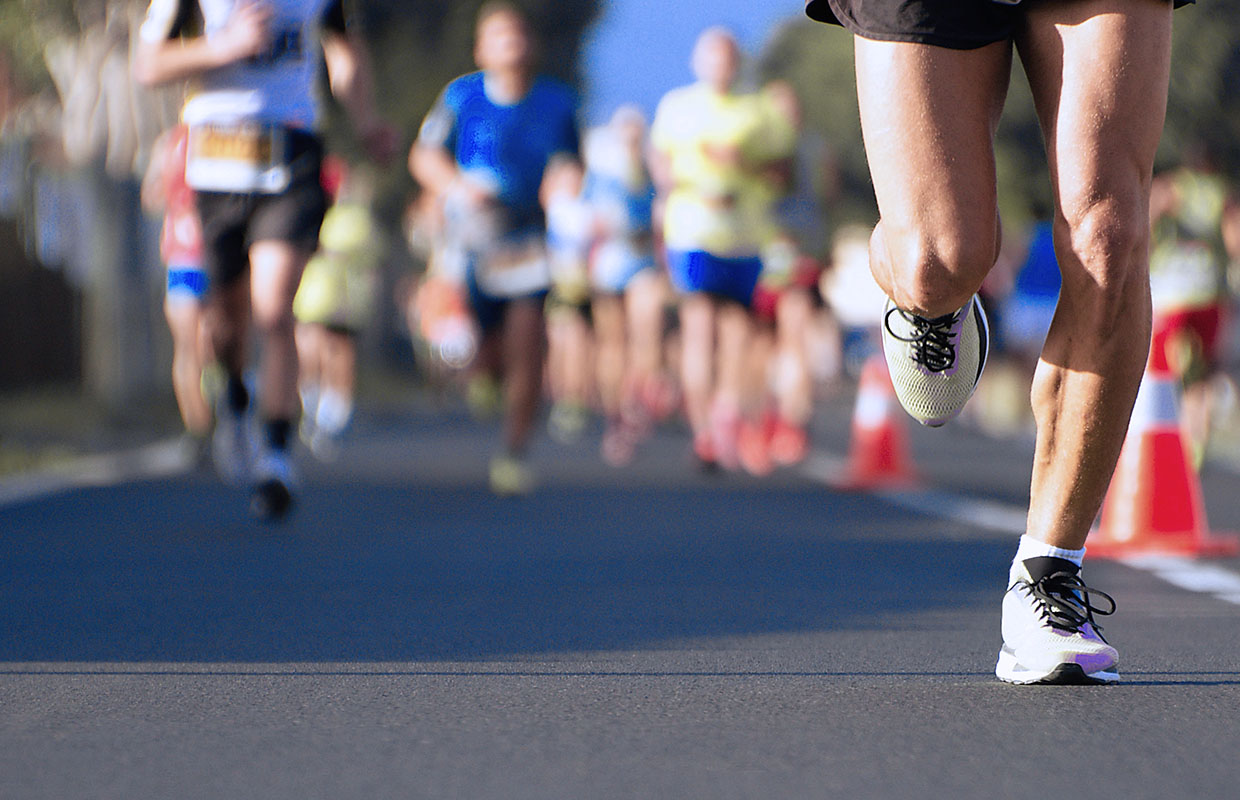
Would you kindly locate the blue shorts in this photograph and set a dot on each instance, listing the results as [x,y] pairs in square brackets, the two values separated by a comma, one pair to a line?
[188,282]
[729,278]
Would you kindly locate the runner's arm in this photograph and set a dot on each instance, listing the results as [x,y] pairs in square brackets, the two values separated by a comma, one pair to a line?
[162,56]
[352,83]
[433,166]
[431,161]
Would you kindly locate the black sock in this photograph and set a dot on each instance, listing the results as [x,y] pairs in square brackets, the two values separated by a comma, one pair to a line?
[278,432]
[238,396]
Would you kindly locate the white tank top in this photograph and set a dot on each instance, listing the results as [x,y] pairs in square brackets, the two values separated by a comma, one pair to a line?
[276,87]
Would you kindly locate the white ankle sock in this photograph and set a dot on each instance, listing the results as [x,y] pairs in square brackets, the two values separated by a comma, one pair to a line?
[334,411]
[1030,547]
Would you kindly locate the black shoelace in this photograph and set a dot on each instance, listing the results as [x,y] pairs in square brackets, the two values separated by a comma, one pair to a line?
[931,339]
[1065,601]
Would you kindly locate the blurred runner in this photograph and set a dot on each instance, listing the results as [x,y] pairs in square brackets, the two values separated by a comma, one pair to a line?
[180,247]
[254,160]
[483,149]
[334,303]
[627,305]
[434,302]
[570,235]
[1026,311]
[1195,219]
[706,160]
[776,417]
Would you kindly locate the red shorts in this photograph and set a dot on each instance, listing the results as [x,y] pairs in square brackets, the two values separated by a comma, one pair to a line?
[1187,341]
[766,298]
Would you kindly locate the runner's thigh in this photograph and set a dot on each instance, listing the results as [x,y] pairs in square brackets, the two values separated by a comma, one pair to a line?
[928,116]
[1099,71]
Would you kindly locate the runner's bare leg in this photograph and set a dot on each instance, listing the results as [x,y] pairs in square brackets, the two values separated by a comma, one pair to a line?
[1099,71]
[275,272]
[524,352]
[928,116]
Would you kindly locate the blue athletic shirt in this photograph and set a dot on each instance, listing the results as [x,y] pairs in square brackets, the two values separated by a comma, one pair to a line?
[506,147]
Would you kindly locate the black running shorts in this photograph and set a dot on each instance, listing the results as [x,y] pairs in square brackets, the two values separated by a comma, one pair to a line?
[958,24]
[233,222]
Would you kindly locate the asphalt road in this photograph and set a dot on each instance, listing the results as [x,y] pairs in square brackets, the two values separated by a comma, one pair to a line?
[638,633]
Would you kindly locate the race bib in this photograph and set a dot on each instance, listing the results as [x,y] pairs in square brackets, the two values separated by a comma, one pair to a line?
[242,158]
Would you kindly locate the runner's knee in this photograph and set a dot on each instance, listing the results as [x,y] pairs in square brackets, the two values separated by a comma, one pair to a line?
[937,275]
[1102,256]
[274,319]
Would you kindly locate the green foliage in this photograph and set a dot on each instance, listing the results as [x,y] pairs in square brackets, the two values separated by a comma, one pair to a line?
[1204,105]
[1203,109]
[25,27]
[817,60]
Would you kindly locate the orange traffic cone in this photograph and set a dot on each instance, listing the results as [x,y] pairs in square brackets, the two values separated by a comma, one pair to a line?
[1154,503]
[879,454]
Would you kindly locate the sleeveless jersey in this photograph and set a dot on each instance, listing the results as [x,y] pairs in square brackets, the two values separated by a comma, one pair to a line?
[276,87]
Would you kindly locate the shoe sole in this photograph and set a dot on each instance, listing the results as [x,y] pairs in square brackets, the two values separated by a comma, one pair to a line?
[1009,670]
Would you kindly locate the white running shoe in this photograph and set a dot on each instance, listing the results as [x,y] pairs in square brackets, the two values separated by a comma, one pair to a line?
[1049,632]
[232,445]
[273,486]
[935,364]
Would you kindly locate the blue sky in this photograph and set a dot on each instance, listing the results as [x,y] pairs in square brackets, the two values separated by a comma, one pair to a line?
[638,49]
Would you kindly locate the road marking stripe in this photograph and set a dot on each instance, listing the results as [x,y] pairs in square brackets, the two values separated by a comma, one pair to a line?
[1186,573]
[169,457]
[157,460]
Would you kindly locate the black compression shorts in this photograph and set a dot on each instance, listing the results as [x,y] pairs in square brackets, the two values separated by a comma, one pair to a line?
[231,223]
[958,24]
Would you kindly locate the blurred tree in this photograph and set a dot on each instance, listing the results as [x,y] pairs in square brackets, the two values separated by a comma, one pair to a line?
[25,28]
[817,60]
[1204,108]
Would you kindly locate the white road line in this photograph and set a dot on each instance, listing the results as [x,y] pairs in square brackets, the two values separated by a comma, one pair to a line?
[958,508]
[1190,574]
[160,459]
[1186,573]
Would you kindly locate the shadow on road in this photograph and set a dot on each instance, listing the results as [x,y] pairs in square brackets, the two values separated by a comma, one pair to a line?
[172,571]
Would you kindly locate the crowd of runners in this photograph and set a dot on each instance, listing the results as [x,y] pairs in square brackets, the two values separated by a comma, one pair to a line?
[638,272]
[676,266]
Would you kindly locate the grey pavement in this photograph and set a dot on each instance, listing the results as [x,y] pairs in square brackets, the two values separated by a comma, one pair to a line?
[639,633]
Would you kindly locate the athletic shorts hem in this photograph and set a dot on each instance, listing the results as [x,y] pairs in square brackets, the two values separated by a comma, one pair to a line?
[188,282]
[830,12]
[234,222]
[999,28]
